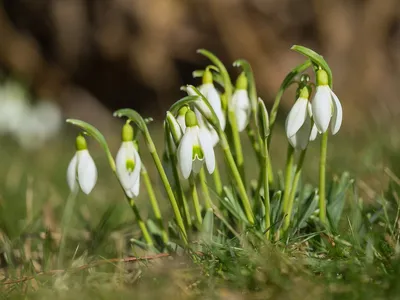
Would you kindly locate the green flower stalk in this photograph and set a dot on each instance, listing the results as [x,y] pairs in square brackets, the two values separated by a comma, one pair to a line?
[154,205]
[204,189]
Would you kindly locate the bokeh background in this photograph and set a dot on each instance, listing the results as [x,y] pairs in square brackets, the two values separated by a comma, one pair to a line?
[85,58]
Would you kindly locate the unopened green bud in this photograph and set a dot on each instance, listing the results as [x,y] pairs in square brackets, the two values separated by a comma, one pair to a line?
[190,118]
[127,132]
[80,143]
[207,76]
[322,77]
[241,82]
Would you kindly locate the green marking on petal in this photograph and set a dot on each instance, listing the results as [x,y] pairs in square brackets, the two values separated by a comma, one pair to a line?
[130,165]
[197,151]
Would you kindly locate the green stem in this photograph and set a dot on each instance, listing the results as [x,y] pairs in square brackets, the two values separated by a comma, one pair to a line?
[253,142]
[142,225]
[236,176]
[217,180]
[322,172]
[236,143]
[167,186]
[195,198]
[154,204]
[294,189]
[266,190]
[65,225]
[204,188]
[288,178]
[181,196]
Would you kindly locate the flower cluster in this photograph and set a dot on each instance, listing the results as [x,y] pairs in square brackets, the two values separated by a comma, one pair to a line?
[207,117]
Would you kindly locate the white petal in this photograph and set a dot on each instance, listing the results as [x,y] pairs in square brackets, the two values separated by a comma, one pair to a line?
[136,187]
[314,132]
[138,167]
[303,134]
[240,99]
[197,164]
[87,172]
[185,152]
[337,114]
[127,151]
[212,95]
[208,150]
[181,121]
[241,119]
[297,115]
[71,173]
[321,108]
[129,193]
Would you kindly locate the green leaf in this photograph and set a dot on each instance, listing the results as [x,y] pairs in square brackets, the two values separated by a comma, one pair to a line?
[97,135]
[208,226]
[337,199]
[250,77]
[276,204]
[233,206]
[315,58]
[307,209]
[222,69]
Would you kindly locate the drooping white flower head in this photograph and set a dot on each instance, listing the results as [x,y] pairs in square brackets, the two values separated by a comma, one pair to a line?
[210,92]
[298,122]
[128,163]
[82,170]
[240,103]
[195,148]
[202,122]
[326,106]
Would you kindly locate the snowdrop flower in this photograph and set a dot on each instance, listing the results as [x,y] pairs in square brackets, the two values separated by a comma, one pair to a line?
[240,103]
[195,148]
[298,123]
[128,163]
[213,97]
[201,120]
[326,107]
[82,170]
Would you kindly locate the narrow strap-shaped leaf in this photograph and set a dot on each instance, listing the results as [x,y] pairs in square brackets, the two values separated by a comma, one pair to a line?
[208,226]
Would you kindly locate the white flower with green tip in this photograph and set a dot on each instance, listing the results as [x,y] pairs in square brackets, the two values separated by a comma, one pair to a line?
[240,103]
[128,163]
[82,170]
[195,148]
[210,92]
[326,107]
[298,123]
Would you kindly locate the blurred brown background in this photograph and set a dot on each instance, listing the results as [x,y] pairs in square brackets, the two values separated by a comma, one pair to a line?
[137,53]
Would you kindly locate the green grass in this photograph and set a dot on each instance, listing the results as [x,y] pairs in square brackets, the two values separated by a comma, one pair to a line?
[358,260]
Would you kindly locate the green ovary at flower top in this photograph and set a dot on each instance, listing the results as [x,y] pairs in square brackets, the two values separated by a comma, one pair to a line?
[128,163]
[82,170]
[240,103]
[195,148]
[326,107]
